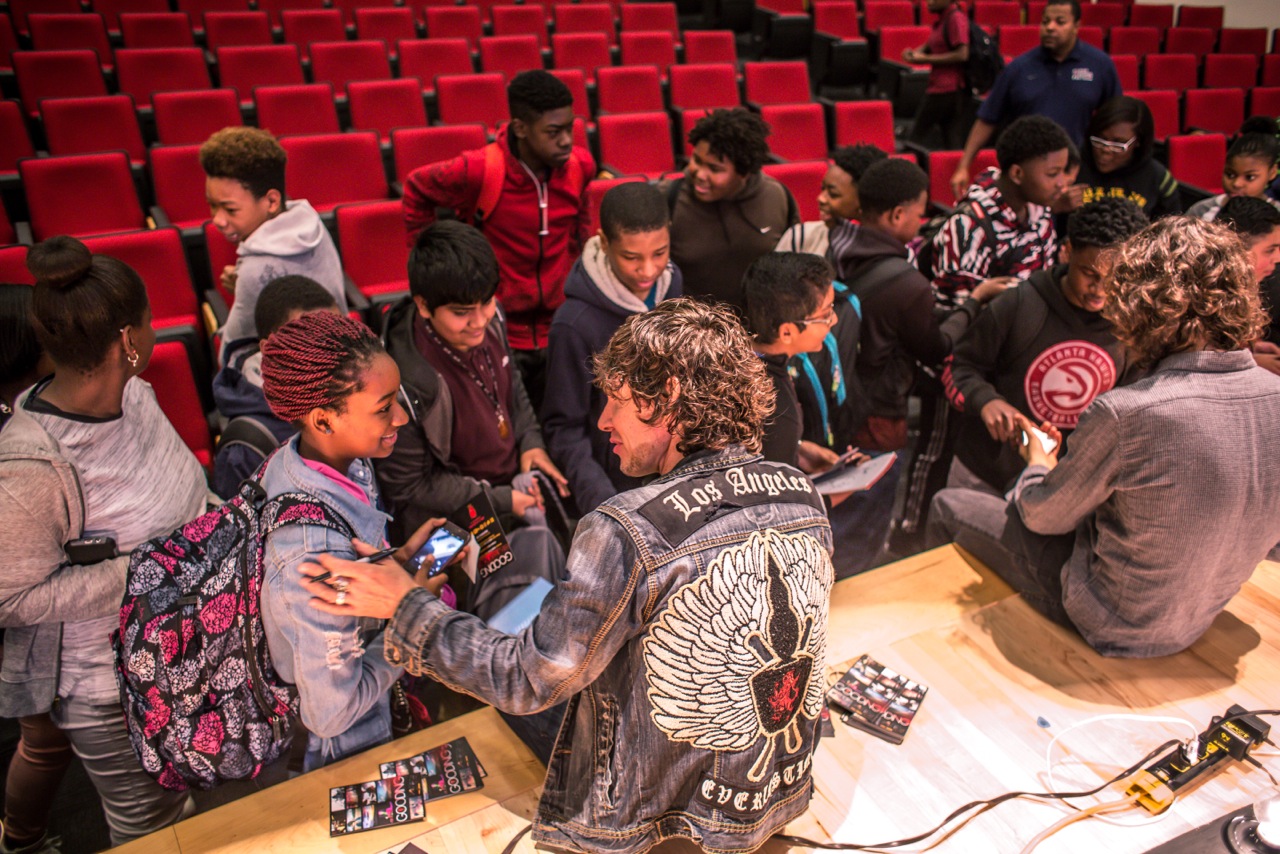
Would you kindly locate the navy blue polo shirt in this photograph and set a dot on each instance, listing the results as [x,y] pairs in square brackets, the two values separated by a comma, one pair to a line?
[1068,92]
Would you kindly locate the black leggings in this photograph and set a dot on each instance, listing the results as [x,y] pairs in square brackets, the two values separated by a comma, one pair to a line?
[946,110]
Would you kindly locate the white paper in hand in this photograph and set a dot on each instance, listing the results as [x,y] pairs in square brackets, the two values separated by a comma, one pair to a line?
[857,478]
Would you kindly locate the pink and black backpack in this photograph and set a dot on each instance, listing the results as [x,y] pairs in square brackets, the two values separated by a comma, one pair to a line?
[202,701]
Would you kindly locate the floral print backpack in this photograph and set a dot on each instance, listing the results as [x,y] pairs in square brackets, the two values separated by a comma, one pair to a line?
[202,701]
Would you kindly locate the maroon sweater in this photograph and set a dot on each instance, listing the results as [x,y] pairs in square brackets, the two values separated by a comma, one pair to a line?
[479,449]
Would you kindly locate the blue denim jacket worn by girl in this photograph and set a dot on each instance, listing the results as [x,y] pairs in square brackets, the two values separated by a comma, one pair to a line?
[343,691]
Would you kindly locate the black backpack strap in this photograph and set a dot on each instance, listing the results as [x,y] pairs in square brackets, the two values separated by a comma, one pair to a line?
[248,431]
[1031,313]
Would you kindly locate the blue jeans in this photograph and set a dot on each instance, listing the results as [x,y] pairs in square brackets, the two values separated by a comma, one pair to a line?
[990,528]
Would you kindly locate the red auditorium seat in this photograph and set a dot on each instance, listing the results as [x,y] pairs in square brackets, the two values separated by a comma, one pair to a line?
[143,71]
[81,31]
[186,118]
[389,25]
[1105,15]
[233,29]
[56,74]
[777,83]
[1095,36]
[887,13]
[349,7]
[576,80]
[222,254]
[996,13]
[15,142]
[197,8]
[304,27]
[1171,71]
[1240,40]
[111,10]
[8,42]
[710,46]
[841,55]
[1197,159]
[1159,15]
[310,172]
[80,194]
[340,63]
[13,264]
[420,7]
[7,235]
[803,179]
[636,144]
[1214,110]
[427,59]
[179,182]
[587,51]
[698,86]
[509,20]
[19,10]
[1271,69]
[246,68]
[1127,71]
[158,29]
[864,121]
[651,17]
[1209,17]
[466,98]
[173,379]
[942,164]
[648,48]
[629,89]
[509,55]
[308,108]
[158,257]
[595,195]
[414,147]
[383,105]
[275,9]
[1222,70]
[1015,41]
[1197,40]
[585,18]
[1163,104]
[1264,101]
[455,22]
[374,255]
[87,125]
[799,131]
[1139,41]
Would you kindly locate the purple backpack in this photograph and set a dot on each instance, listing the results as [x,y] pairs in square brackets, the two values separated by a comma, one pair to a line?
[201,700]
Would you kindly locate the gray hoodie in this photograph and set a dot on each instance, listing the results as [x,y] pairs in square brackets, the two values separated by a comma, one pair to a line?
[295,242]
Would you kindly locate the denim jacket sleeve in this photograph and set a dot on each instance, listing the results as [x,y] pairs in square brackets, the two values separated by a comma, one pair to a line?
[323,654]
[584,621]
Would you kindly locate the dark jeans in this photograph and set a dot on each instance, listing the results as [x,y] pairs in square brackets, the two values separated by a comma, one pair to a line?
[990,528]
[860,523]
[931,461]
[35,772]
[533,371]
[945,111]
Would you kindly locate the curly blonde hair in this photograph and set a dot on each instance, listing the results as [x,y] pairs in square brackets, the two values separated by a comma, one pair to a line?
[695,365]
[1183,284]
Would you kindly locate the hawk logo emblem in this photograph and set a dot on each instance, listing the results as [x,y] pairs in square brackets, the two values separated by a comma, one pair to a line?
[1064,380]
[733,657]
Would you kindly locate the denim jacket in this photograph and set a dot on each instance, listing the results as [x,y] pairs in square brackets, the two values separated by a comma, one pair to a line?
[688,637]
[343,692]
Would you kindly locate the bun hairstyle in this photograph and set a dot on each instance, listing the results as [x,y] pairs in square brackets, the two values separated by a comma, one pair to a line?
[82,301]
[315,362]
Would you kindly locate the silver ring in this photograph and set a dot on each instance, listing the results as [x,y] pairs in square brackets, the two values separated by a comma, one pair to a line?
[341,598]
[340,583]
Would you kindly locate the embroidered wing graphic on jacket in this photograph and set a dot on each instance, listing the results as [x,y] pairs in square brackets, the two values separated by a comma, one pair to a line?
[735,656]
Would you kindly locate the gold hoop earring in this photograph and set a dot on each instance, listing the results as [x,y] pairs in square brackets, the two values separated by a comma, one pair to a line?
[133,360]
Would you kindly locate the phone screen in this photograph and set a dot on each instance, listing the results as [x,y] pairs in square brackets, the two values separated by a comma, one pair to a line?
[439,549]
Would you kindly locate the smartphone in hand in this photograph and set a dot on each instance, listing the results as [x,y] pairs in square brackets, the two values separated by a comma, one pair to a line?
[440,548]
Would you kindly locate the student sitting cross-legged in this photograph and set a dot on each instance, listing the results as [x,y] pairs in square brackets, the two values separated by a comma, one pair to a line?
[1042,349]
[624,270]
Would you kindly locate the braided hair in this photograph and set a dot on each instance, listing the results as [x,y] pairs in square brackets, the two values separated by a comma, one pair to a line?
[315,362]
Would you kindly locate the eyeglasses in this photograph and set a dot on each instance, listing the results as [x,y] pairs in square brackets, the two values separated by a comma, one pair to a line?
[827,318]
[1108,145]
